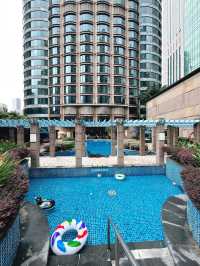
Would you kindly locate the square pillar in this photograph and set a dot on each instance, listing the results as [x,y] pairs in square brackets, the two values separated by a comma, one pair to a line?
[52,141]
[197,133]
[114,141]
[120,144]
[83,141]
[35,144]
[78,144]
[153,138]
[142,141]
[160,142]
[175,135]
[20,136]
[11,133]
[170,132]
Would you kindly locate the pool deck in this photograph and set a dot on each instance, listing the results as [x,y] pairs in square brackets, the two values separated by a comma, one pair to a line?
[69,161]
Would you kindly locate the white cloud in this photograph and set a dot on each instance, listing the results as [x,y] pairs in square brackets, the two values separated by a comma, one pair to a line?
[11,51]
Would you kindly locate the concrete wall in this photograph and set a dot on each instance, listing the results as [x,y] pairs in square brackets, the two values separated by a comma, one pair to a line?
[181,101]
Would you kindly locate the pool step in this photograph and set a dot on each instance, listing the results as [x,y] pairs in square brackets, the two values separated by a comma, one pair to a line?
[149,257]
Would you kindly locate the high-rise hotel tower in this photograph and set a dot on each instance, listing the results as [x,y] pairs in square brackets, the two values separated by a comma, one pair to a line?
[93,57]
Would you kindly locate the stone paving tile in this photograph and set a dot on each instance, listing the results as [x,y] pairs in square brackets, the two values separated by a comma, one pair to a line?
[69,161]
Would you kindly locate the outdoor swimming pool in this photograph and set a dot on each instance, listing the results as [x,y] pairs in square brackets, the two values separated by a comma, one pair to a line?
[136,207]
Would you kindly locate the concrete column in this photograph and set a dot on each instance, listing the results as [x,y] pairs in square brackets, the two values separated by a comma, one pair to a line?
[78,144]
[83,141]
[11,133]
[170,133]
[114,141]
[20,136]
[120,144]
[160,142]
[142,141]
[197,133]
[153,137]
[52,141]
[175,135]
[35,145]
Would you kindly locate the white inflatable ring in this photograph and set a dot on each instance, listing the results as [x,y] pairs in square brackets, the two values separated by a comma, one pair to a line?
[120,176]
[60,247]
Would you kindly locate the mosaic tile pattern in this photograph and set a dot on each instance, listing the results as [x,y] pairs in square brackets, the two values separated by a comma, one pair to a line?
[9,244]
[136,207]
[173,172]
[193,218]
[94,171]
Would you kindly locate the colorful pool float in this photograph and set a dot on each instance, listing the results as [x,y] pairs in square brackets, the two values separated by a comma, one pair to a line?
[59,247]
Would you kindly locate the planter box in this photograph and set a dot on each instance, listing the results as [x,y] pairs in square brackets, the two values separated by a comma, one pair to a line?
[173,171]
[9,243]
[193,218]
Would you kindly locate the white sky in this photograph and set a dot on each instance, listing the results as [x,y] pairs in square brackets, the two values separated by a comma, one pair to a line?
[11,51]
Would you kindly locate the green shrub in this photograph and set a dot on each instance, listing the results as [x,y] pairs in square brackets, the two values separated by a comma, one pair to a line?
[7,168]
[6,145]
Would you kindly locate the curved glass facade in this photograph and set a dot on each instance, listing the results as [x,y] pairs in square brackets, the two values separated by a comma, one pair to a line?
[93,51]
[191,36]
[35,13]
[150,45]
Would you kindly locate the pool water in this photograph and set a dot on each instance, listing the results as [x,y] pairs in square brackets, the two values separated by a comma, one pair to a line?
[135,206]
[97,147]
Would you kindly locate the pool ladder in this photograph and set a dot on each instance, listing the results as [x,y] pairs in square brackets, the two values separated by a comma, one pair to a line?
[119,242]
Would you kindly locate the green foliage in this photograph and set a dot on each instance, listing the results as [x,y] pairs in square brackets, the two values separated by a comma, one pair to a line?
[6,145]
[185,143]
[11,115]
[7,168]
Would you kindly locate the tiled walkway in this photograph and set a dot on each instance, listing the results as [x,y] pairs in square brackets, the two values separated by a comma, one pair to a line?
[102,161]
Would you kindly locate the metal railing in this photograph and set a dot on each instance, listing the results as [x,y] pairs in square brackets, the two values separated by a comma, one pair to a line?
[119,242]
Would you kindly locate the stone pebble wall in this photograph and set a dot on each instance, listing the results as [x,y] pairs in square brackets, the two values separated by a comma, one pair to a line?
[9,244]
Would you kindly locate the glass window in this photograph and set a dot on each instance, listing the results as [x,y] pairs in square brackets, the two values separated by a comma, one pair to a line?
[54,30]
[119,60]
[103,18]
[70,28]
[119,20]
[86,58]
[119,50]
[70,38]
[119,30]
[103,79]
[70,48]
[86,98]
[86,37]
[86,78]
[86,69]
[70,79]
[86,27]
[54,41]
[103,99]
[103,69]
[103,48]
[103,89]
[86,89]
[54,90]
[86,48]
[70,89]
[70,18]
[119,40]
[103,28]
[70,99]
[103,38]
[70,69]
[54,61]
[70,59]
[103,59]
[86,16]
[54,70]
